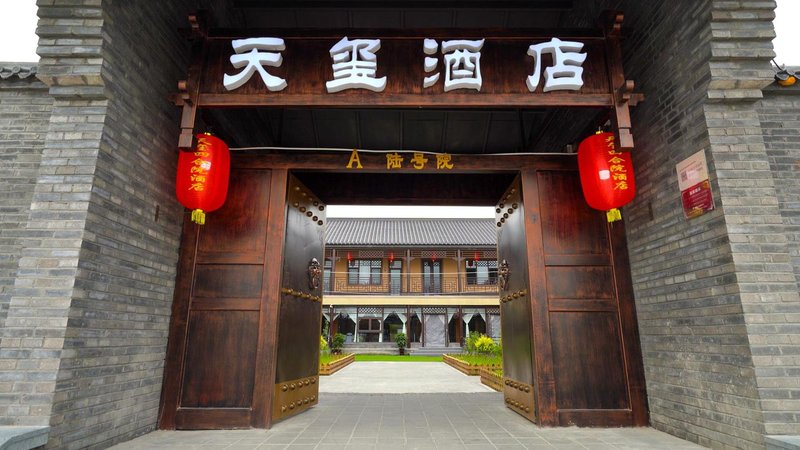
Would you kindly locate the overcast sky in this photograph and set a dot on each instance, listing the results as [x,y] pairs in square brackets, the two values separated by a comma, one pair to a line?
[18,44]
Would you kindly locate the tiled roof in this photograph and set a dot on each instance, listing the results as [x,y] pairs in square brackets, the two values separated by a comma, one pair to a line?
[18,70]
[411,232]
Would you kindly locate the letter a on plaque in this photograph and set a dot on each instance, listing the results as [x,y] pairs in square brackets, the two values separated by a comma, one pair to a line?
[354,159]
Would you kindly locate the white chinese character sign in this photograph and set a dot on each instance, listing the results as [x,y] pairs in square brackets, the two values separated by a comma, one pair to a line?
[355,65]
[474,70]
[249,55]
[462,64]
[565,74]
[482,68]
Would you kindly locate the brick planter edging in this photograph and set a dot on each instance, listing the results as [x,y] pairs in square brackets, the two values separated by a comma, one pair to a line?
[463,367]
[490,378]
[335,366]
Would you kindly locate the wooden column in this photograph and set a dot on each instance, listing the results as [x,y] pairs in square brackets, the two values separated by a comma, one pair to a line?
[332,285]
[408,270]
[459,260]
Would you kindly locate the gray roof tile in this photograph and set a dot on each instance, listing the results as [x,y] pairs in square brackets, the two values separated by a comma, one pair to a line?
[411,232]
[19,70]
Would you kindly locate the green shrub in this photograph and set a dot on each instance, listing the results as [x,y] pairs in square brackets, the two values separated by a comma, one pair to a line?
[323,344]
[337,342]
[401,340]
[485,345]
[469,344]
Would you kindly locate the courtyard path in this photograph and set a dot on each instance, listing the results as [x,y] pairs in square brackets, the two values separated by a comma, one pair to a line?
[380,405]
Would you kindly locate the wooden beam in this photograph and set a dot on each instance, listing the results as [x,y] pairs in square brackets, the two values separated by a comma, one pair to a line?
[376,100]
[622,88]
[189,89]
[539,5]
[410,33]
[376,162]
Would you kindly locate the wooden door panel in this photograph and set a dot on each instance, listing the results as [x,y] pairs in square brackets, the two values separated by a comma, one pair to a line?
[570,225]
[228,281]
[587,361]
[237,231]
[300,314]
[588,313]
[515,305]
[221,359]
[580,283]
[217,325]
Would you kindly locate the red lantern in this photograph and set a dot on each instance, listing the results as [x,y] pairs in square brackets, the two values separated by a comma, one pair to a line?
[606,174]
[202,181]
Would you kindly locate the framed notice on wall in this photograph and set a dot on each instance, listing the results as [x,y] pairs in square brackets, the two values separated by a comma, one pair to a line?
[695,188]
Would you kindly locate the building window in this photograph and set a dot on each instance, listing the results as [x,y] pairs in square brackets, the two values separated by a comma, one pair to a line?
[481,272]
[364,271]
[328,268]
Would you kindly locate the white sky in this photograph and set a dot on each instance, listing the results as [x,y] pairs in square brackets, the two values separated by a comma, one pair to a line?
[18,44]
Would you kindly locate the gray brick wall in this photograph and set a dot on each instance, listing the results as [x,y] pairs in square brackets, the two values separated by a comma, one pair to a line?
[740,68]
[83,344]
[779,113]
[118,322]
[700,365]
[716,296]
[24,115]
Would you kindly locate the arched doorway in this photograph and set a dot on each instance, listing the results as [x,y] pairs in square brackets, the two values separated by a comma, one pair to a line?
[391,326]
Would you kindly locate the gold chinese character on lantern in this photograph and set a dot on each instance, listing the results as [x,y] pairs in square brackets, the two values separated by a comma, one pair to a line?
[394,161]
[617,168]
[419,160]
[621,186]
[616,160]
[444,161]
[197,187]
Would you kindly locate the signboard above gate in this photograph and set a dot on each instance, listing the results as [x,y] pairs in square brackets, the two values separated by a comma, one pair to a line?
[461,69]
[430,68]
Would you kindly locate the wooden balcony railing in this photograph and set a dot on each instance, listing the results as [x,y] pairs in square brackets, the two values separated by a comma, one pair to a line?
[410,284]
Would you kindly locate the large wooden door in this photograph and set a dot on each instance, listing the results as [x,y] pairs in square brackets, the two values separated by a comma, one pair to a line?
[571,346]
[218,351]
[515,303]
[241,302]
[296,385]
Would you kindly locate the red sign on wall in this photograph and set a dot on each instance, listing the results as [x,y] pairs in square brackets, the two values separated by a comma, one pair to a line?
[697,200]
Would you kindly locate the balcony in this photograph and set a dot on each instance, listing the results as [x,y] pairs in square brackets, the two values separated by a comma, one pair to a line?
[410,284]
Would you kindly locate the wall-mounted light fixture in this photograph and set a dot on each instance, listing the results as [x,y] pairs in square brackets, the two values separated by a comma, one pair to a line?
[784,76]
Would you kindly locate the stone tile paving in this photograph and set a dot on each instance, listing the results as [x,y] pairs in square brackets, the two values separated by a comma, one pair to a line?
[379,377]
[411,421]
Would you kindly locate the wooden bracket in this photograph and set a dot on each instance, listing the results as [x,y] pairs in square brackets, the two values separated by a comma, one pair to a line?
[198,25]
[189,89]
[622,116]
[188,115]
[623,90]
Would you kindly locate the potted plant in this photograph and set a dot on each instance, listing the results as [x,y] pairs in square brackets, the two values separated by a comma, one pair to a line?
[337,342]
[401,341]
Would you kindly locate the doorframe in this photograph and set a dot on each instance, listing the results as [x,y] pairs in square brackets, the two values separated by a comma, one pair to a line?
[282,164]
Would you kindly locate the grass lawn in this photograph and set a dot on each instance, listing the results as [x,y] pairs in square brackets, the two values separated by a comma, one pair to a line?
[327,358]
[400,358]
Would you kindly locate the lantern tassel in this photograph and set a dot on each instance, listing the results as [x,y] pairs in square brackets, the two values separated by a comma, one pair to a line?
[613,215]
[199,217]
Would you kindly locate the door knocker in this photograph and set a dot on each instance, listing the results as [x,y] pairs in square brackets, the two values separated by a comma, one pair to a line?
[503,274]
[314,273]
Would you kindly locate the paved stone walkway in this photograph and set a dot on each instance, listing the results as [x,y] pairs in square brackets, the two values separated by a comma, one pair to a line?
[388,421]
[378,377]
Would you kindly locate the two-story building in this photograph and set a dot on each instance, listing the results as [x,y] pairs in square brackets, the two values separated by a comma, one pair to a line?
[433,279]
